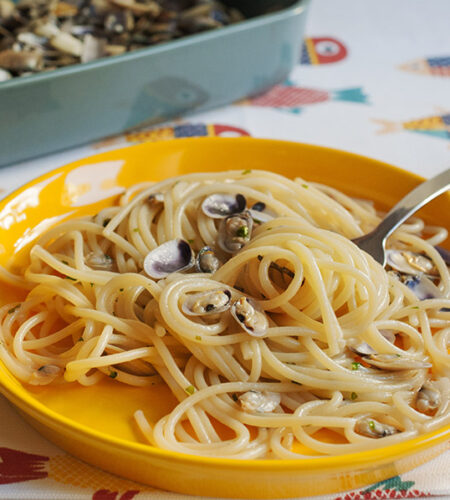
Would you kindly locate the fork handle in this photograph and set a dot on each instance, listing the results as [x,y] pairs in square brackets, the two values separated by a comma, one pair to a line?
[413,201]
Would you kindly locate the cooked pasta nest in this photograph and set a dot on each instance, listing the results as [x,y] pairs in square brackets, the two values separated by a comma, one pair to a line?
[243,293]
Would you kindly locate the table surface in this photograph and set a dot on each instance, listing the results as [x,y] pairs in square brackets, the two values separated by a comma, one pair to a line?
[374,79]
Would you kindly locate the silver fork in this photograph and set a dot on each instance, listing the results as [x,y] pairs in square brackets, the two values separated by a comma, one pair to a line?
[374,243]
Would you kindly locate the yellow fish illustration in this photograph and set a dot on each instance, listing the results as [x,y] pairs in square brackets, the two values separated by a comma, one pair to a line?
[436,126]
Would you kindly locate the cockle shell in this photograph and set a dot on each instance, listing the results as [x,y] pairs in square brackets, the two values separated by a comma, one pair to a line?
[422,287]
[204,303]
[394,362]
[428,399]
[100,262]
[20,61]
[170,257]
[249,317]
[260,214]
[220,205]
[67,43]
[408,262]
[207,261]
[235,231]
[372,428]
[44,375]
[260,402]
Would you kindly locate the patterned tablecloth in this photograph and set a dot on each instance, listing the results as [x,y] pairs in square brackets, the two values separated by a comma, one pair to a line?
[374,79]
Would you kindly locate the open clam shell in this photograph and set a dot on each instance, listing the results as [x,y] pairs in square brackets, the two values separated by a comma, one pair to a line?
[364,349]
[220,205]
[250,317]
[170,257]
[260,402]
[4,75]
[422,287]
[207,261]
[373,428]
[408,262]
[260,213]
[204,303]
[45,375]
[235,231]
[394,362]
[428,399]
[100,262]
[445,254]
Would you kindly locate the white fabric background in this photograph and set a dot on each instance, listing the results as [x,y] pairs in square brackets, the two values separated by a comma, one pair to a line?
[380,36]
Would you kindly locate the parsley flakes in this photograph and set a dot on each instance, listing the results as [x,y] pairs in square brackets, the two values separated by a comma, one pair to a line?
[190,389]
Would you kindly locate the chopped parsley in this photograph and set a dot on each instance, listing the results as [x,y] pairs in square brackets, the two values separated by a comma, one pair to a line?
[246,172]
[136,230]
[190,241]
[242,232]
[372,424]
[113,374]
[13,309]
[92,284]
[81,339]
[305,186]
[121,289]
[197,337]
[190,389]
[415,307]
[353,395]
[355,365]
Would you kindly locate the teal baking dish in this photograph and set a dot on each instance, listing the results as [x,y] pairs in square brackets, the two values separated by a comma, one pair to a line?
[46,112]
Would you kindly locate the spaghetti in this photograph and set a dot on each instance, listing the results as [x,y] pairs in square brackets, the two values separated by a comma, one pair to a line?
[243,293]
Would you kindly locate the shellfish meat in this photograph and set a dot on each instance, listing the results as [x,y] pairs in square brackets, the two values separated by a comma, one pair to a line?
[210,302]
[253,321]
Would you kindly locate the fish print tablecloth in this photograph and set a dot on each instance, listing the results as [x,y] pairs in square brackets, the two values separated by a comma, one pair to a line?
[374,79]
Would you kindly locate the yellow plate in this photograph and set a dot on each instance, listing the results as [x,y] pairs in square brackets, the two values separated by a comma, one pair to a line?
[95,423]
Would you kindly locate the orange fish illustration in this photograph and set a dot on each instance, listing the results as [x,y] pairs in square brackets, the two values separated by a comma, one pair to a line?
[322,50]
[436,126]
[19,466]
[434,66]
[176,132]
[186,130]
